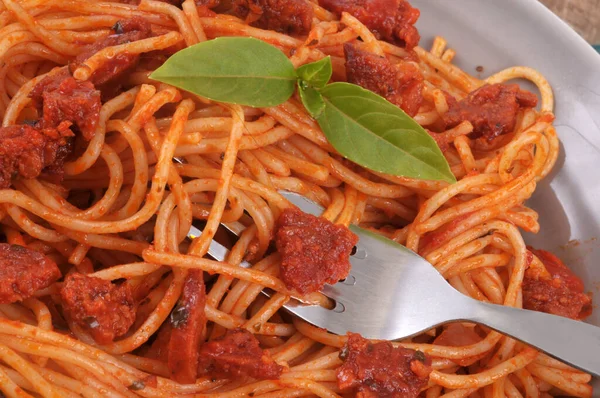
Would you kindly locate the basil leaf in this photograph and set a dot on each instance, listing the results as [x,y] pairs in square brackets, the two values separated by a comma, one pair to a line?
[311,99]
[317,74]
[237,70]
[370,131]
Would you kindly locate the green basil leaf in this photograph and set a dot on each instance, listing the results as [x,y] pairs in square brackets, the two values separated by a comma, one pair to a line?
[237,70]
[317,74]
[372,132]
[311,99]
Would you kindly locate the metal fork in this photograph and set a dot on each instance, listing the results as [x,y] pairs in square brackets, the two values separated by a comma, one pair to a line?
[392,293]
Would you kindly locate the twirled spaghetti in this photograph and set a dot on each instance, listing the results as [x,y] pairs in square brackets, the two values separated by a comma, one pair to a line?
[117,221]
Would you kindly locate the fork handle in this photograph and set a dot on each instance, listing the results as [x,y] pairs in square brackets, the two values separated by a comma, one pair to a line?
[574,342]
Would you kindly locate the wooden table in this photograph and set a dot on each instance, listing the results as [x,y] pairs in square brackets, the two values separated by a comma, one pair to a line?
[582,15]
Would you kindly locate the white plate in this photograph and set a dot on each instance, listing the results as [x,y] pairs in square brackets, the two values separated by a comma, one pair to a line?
[499,34]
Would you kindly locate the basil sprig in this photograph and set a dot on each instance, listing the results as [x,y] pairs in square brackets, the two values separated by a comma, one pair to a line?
[361,125]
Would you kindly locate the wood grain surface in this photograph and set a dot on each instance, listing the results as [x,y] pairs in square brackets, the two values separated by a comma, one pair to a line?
[582,15]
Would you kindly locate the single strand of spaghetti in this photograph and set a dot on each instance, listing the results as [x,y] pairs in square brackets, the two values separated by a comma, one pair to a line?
[49,39]
[191,13]
[438,46]
[200,244]
[91,37]
[524,72]
[176,14]
[223,124]
[558,379]
[126,271]
[215,27]
[90,65]
[273,305]
[92,152]
[31,228]
[290,121]
[83,22]
[340,171]
[13,236]
[40,385]
[448,55]
[485,377]
[360,209]
[152,366]
[79,254]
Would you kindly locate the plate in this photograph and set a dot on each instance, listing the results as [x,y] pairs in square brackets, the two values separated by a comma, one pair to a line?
[499,34]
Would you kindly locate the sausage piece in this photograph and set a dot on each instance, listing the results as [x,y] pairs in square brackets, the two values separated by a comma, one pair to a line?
[23,272]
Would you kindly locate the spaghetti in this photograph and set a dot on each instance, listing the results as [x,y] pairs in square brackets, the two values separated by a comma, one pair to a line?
[91,191]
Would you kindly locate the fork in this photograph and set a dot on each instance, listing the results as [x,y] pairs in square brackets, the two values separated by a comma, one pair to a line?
[392,293]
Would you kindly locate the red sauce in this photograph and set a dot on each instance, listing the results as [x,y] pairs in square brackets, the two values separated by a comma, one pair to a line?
[188,321]
[292,17]
[401,84]
[26,151]
[125,31]
[491,109]
[559,293]
[389,20]
[23,272]
[458,335]
[60,98]
[380,370]
[237,353]
[104,309]
[313,250]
